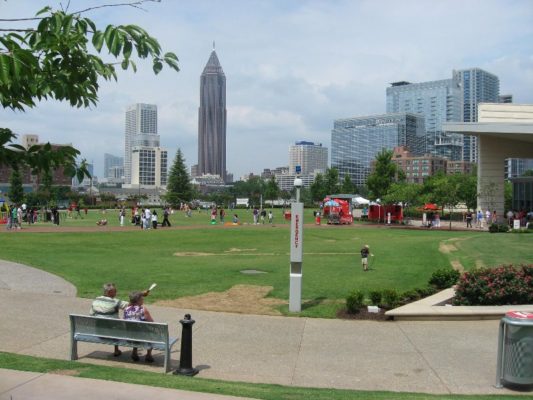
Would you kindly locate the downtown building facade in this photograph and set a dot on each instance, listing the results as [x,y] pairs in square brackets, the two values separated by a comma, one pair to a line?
[212,120]
[145,162]
[438,102]
[113,168]
[478,86]
[355,142]
[30,181]
[310,157]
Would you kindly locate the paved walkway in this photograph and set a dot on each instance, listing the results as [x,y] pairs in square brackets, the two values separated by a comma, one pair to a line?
[456,357]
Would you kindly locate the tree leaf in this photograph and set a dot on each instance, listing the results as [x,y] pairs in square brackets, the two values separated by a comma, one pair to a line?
[98,40]
[44,10]
[157,67]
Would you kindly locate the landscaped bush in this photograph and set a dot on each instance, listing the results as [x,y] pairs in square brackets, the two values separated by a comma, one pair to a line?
[375,297]
[497,228]
[409,296]
[355,301]
[504,285]
[427,291]
[389,298]
[444,278]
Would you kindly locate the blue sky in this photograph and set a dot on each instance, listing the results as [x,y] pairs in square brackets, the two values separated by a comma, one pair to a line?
[292,67]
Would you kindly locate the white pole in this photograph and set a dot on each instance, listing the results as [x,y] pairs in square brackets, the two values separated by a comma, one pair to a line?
[296,270]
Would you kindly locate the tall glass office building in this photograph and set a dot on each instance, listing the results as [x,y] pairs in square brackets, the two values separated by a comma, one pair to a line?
[110,163]
[438,102]
[141,130]
[355,142]
[478,86]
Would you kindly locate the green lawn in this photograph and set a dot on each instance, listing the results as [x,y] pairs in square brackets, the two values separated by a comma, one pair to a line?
[256,391]
[404,259]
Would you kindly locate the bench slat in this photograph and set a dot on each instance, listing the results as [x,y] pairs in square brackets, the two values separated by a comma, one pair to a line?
[113,331]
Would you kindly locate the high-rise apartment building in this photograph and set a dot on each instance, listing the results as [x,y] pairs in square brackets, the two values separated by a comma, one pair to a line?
[149,166]
[145,162]
[141,130]
[111,163]
[212,119]
[355,142]
[478,86]
[438,102]
[309,156]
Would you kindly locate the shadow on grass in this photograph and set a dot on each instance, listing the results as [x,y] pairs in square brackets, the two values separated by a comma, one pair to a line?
[313,303]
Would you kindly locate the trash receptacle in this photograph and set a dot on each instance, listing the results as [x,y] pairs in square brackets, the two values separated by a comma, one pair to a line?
[515,350]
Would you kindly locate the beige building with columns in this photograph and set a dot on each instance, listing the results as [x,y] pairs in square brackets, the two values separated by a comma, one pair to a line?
[503,131]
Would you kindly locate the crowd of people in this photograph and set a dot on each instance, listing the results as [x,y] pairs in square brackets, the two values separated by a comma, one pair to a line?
[17,214]
[484,219]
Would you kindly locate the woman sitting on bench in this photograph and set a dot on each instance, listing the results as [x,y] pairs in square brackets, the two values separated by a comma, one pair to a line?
[137,312]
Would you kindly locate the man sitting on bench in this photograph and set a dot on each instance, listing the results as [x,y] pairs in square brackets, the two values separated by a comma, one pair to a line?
[108,306]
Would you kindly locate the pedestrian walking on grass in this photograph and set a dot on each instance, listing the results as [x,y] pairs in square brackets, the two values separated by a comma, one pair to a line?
[365,252]
[469,219]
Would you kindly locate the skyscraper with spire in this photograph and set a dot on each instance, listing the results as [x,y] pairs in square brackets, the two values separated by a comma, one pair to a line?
[212,119]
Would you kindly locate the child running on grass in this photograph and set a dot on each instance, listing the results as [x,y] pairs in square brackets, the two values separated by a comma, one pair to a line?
[136,311]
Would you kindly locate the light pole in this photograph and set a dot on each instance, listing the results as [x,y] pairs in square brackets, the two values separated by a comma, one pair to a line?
[296,272]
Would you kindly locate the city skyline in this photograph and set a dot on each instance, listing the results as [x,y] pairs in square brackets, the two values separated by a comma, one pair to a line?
[292,69]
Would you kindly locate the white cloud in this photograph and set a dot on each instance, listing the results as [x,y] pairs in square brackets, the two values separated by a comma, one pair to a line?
[292,67]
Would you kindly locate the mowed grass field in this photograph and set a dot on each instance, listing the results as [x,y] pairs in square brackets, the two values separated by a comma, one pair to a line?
[200,258]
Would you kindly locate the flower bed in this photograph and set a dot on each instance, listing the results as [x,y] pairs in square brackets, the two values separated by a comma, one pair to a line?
[504,285]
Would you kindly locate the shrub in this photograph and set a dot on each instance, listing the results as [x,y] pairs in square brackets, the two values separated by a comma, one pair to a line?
[497,228]
[409,296]
[504,285]
[444,278]
[389,298]
[354,301]
[427,291]
[375,297]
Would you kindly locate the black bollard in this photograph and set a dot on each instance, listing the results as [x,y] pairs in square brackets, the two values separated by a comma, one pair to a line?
[185,367]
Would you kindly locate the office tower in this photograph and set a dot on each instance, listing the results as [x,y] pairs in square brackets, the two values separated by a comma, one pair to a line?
[515,167]
[309,156]
[212,119]
[478,86]
[355,142]
[111,163]
[149,166]
[141,130]
[506,98]
[437,101]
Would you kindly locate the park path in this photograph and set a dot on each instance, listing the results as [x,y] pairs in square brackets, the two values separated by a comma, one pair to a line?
[457,357]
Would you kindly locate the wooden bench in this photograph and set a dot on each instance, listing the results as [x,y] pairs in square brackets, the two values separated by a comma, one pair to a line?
[120,332]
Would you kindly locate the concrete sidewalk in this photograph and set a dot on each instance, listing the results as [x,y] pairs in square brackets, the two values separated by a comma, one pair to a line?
[456,357]
[33,385]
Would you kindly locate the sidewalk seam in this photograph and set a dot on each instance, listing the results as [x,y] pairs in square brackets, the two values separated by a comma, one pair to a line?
[298,353]
[424,358]
[23,383]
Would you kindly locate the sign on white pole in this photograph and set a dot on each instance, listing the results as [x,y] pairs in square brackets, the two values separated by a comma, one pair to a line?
[295,290]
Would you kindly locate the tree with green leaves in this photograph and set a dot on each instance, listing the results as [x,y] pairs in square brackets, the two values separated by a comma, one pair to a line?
[447,192]
[347,185]
[383,176]
[332,181]
[16,191]
[406,193]
[57,56]
[179,187]
[272,189]
[318,188]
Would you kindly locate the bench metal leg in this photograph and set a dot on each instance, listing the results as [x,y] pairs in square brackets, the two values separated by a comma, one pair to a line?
[73,349]
[167,359]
